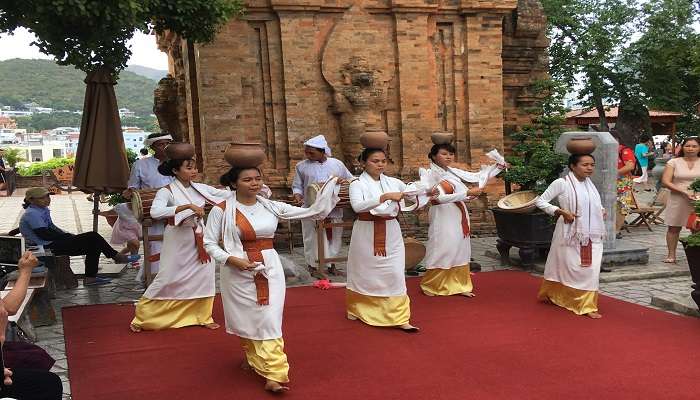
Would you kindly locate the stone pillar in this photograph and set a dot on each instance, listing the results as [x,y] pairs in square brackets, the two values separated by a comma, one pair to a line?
[417,86]
[484,83]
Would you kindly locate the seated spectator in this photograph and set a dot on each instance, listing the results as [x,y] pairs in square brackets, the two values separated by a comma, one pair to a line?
[25,384]
[38,229]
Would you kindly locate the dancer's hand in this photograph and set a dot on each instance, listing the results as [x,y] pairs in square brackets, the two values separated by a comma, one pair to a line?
[7,378]
[474,192]
[393,196]
[198,211]
[240,263]
[567,215]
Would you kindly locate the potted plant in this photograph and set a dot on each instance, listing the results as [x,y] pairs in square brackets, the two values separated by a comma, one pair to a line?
[534,165]
[691,245]
[13,157]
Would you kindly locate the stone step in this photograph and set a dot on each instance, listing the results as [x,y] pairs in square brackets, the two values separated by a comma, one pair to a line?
[681,303]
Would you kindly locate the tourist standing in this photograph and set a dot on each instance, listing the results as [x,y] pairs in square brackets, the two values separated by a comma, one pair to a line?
[642,151]
[376,284]
[239,236]
[448,251]
[572,270]
[182,294]
[145,175]
[625,166]
[317,168]
[679,173]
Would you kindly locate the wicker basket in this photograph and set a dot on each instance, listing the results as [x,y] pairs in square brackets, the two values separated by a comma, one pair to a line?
[519,202]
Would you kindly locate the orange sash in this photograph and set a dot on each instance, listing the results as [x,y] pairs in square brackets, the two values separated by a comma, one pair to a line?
[379,231]
[253,248]
[449,189]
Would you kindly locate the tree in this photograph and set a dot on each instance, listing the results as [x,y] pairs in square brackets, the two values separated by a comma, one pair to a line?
[587,38]
[94,33]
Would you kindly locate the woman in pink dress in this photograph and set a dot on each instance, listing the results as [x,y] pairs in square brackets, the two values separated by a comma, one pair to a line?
[679,173]
[126,230]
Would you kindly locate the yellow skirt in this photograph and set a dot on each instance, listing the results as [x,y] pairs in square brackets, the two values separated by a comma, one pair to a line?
[446,282]
[579,301]
[267,358]
[153,315]
[378,311]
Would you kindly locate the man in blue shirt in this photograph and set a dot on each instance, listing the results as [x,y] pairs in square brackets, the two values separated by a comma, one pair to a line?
[38,229]
[642,153]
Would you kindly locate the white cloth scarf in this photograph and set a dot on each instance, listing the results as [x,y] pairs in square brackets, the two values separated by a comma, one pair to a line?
[416,191]
[325,202]
[585,203]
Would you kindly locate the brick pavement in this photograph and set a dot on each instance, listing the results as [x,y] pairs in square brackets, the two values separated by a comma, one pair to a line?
[73,213]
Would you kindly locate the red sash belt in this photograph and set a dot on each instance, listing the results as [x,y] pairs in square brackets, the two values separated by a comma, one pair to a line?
[379,231]
[253,247]
[449,189]
[198,241]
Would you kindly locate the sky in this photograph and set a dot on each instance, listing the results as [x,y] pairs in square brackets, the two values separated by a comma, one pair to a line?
[143,48]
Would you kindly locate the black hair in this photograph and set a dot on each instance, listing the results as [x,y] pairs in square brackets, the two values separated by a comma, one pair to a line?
[366,153]
[167,167]
[442,146]
[143,151]
[644,138]
[575,158]
[316,148]
[26,204]
[686,140]
[231,176]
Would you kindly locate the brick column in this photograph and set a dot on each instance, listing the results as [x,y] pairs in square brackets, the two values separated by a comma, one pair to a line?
[484,83]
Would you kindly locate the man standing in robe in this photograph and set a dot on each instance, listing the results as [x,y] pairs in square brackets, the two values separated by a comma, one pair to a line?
[145,175]
[318,167]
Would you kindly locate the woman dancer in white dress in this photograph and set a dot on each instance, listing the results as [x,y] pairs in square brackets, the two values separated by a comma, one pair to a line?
[573,265]
[182,293]
[239,236]
[448,251]
[376,285]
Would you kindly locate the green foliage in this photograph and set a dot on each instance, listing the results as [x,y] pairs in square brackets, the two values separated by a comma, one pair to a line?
[131,156]
[38,168]
[115,198]
[13,156]
[92,33]
[62,88]
[535,164]
[692,240]
[148,124]
[695,186]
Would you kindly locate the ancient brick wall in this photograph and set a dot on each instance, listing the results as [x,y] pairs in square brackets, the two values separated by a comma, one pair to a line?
[291,69]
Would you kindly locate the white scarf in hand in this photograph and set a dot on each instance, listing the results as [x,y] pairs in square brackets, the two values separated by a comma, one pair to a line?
[584,202]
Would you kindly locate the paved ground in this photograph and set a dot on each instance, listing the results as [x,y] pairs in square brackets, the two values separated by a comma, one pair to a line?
[73,213]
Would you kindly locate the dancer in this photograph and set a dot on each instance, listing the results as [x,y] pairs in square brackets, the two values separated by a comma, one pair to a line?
[239,235]
[448,251]
[145,175]
[182,293]
[376,285]
[318,167]
[573,265]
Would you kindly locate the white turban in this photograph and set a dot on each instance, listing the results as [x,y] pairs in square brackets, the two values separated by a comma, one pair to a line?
[149,141]
[319,142]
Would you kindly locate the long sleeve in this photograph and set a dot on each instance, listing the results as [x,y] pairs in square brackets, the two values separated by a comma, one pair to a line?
[554,190]
[460,194]
[135,176]
[357,199]
[298,181]
[345,172]
[212,236]
[160,207]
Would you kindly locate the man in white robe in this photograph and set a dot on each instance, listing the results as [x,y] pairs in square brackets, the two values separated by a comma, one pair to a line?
[145,175]
[318,167]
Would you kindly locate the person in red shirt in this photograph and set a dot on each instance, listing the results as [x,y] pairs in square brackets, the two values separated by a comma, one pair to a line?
[625,166]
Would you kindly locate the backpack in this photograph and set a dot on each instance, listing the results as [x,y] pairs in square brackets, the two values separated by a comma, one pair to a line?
[637,170]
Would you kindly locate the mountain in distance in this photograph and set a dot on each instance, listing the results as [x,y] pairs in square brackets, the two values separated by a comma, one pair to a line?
[150,73]
[62,88]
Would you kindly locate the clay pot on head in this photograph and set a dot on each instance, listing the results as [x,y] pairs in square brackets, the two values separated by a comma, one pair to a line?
[244,155]
[580,145]
[442,137]
[374,140]
[179,151]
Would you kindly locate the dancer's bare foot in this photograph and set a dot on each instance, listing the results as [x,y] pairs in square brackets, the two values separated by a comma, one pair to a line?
[427,293]
[594,315]
[212,326]
[409,328]
[468,294]
[245,366]
[351,317]
[135,328]
[275,387]
[546,300]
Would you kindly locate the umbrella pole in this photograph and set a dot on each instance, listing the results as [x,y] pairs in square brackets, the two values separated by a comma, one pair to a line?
[95,209]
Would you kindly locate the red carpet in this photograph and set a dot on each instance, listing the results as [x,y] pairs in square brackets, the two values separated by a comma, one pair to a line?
[500,345]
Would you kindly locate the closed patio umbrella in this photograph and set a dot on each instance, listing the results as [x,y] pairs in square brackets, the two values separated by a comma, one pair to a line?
[101,165]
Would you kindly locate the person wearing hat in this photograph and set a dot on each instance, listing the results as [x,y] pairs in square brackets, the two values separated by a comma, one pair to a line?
[318,167]
[182,294]
[38,229]
[239,236]
[145,175]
